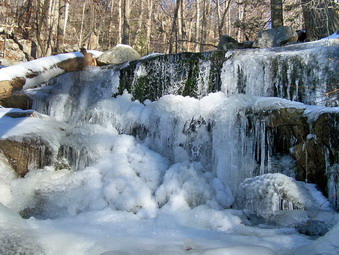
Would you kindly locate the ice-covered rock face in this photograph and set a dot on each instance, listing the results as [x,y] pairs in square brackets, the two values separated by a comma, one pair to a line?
[125,171]
[303,72]
[266,134]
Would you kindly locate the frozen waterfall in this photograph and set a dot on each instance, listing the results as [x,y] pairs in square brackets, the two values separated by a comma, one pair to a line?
[177,154]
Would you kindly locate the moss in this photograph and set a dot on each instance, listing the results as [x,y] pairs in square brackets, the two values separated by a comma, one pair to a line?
[163,71]
[190,88]
[141,89]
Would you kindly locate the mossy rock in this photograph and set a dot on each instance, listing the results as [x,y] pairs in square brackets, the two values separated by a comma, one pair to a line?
[176,74]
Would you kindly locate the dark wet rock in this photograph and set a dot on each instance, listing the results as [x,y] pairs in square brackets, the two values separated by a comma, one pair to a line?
[313,228]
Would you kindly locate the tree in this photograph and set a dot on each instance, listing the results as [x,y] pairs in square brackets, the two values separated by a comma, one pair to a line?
[126,26]
[277,13]
[321,18]
[173,42]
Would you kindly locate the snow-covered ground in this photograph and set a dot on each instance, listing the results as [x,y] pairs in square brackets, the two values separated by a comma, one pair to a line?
[127,197]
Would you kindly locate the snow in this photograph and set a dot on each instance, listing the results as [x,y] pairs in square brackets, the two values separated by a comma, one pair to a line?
[151,55]
[332,36]
[270,193]
[40,66]
[131,194]
[161,192]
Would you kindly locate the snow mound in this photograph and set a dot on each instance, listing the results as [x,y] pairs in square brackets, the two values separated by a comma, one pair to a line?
[267,194]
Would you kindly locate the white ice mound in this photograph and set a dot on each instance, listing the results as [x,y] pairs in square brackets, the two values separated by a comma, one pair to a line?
[267,194]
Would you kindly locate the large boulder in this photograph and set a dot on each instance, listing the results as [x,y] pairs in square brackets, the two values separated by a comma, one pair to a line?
[275,37]
[117,55]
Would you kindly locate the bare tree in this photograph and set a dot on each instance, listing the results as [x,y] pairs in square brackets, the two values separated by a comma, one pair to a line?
[197,25]
[321,18]
[126,26]
[149,25]
[173,42]
[277,13]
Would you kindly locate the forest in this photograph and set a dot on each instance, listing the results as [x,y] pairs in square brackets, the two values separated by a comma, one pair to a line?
[168,26]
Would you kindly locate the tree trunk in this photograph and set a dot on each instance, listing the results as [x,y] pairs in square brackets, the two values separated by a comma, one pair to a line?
[321,18]
[140,22]
[82,23]
[180,29]
[197,26]
[203,26]
[60,28]
[277,13]
[174,31]
[126,27]
[241,16]
[120,21]
[222,16]
[149,26]
[66,20]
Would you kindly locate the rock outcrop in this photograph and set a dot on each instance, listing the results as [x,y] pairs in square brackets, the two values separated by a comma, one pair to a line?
[314,143]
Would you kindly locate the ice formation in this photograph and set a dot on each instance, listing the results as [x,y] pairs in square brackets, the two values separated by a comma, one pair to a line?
[154,177]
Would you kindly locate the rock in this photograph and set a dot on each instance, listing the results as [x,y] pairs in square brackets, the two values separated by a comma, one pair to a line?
[118,54]
[313,228]
[301,35]
[20,101]
[26,153]
[248,44]
[227,43]
[312,141]
[8,87]
[71,65]
[275,37]
[88,59]
[152,78]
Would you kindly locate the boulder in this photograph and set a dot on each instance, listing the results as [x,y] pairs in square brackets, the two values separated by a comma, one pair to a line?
[275,37]
[117,55]
[227,43]
[17,101]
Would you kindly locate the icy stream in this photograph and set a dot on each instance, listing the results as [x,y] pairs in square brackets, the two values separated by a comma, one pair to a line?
[162,177]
